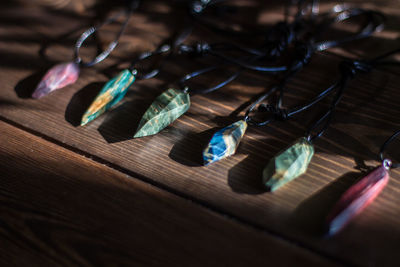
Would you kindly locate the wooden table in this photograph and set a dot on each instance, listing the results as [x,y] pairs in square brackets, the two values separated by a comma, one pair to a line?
[92,195]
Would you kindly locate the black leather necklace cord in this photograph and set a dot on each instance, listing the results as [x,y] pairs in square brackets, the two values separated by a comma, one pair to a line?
[132,5]
[384,147]
[349,69]
[302,52]
[165,51]
[197,8]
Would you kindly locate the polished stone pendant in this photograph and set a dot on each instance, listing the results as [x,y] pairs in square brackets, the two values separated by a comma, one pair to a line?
[165,109]
[112,92]
[288,164]
[224,142]
[356,198]
[57,77]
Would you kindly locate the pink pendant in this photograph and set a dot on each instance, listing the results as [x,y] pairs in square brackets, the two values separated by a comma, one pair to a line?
[356,198]
[57,77]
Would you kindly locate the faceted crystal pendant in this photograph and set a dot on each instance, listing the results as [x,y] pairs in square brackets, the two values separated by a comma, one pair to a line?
[288,164]
[224,142]
[112,92]
[165,109]
[57,77]
[356,198]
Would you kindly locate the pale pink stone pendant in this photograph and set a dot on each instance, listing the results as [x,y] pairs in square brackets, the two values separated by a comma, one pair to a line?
[57,77]
[357,198]
[65,74]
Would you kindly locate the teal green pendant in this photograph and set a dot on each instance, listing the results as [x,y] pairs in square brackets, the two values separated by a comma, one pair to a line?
[165,109]
[113,91]
[288,164]
[224,142]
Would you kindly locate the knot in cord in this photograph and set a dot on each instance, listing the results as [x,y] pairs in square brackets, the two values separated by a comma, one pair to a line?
[198,49]
[303,53]
[198,6]
[278,113]
[279,37]
[351,68]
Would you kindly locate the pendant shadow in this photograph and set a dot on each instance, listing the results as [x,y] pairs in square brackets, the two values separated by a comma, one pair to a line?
[241,182]
[27,86]
[310,215]
[80,102]
[122,121]
[239,179]
[118,125]
[189,150]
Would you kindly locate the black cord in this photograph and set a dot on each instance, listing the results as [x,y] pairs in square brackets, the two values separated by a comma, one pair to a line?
[166,50]
[203,48]
[385,145]
[283,34]
[146,55]
[378,59]
[302,55]
[279,113]
[375,23]
[197,8]
[278,38]
[315,100]
[349,69]
[133,4]
[303,50]
[184,79]
[327,117]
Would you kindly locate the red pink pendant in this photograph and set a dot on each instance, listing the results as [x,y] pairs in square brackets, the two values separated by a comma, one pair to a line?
[57,77]
[357,198]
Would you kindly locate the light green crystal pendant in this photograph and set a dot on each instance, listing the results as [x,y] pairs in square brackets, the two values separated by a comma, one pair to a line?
[288,164]
[113,91]
[167,107]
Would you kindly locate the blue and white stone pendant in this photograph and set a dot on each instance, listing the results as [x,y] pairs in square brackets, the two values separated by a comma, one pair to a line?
[224,142]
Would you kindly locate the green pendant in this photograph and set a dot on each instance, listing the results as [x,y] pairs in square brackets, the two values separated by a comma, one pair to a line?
[288,164]
[167,107]
[113,91]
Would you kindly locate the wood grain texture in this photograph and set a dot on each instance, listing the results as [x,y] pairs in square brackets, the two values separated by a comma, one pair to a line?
[88,214]
[368,114]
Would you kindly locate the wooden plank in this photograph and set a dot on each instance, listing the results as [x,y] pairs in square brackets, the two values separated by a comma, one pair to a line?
[171,159]
[60,208]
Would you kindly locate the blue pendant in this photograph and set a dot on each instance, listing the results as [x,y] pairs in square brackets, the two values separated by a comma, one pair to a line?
[224,142]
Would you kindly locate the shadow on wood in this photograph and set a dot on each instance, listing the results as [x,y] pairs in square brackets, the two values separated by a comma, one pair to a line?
[241,182]
[122,121]
[189,150]
[119,123]
[240,179]
[25,87]
[80,102]
[310,215]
